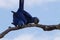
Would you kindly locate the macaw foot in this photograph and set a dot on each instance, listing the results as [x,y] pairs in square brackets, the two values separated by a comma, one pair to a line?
[19,25]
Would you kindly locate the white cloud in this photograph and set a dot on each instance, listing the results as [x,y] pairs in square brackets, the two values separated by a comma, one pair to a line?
[57,38]
[24,37]
[36,36]
[8,3]
[37,2]
[12,3]
[33,2]
[31,37]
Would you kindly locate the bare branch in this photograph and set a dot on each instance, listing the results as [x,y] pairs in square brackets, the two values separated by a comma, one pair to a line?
[44,27]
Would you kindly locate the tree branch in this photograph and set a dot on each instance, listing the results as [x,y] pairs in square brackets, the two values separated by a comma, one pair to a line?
[44,27]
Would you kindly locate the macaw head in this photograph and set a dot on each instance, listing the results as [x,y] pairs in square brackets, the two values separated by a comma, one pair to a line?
[36,20]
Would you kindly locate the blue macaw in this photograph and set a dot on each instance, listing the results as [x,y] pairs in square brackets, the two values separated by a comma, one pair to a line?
[22,17]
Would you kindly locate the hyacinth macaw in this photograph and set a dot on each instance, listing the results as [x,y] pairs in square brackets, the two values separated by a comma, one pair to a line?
[21,17]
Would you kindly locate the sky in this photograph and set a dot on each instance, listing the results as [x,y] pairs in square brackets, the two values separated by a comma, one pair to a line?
[46,10]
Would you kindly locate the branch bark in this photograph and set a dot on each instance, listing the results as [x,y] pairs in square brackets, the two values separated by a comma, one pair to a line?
[44,27]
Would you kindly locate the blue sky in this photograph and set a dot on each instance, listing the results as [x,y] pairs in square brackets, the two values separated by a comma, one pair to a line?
[46,10]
